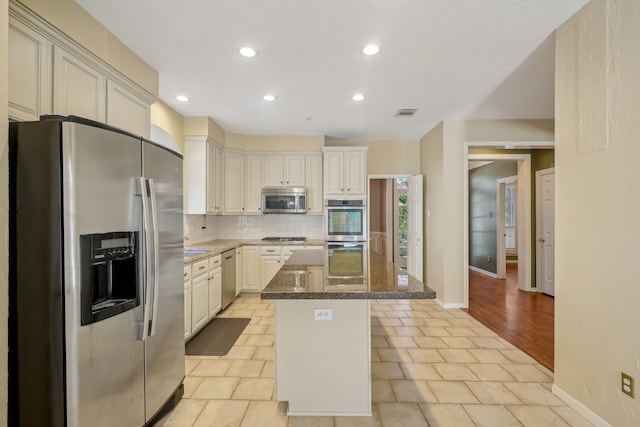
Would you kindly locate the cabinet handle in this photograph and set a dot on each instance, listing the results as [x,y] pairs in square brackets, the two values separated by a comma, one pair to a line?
[342,189]
[185,274]
[280,182]
[271,250]
[287,182]
[201,268]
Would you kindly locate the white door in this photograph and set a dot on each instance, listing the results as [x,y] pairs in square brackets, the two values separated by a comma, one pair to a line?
[545,225]
[415,232]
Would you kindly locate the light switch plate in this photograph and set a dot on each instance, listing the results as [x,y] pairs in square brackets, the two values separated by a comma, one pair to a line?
[322,314]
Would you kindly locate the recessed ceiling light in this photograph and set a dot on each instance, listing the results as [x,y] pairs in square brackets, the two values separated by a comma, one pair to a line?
[182,98]
[269,98]
[358,97]
[371,49]
[247,52]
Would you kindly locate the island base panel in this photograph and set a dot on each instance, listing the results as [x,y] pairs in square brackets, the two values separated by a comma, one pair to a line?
[323,367]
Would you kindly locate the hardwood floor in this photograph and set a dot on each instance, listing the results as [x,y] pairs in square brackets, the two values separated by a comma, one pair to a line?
[525,319]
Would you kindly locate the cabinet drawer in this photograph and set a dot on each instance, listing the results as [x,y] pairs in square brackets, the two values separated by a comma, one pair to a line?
[215,262]
[187,273]
[200,267]
[270,250]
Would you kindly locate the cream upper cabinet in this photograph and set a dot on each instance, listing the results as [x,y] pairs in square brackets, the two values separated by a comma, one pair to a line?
[202,169]
[284,170]
[345,171]
[234,183]
[78,88]
[215,175]
[29,72]
[50,74]
[315,204]
[127,111]
[253,188]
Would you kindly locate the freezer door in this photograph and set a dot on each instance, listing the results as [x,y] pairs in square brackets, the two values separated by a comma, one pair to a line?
[164,348]
[104,360]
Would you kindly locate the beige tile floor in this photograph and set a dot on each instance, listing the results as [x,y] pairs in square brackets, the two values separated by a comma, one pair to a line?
[430,367]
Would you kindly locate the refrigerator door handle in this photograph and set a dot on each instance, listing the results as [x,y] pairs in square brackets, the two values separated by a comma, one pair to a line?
[147,246]
[156,256]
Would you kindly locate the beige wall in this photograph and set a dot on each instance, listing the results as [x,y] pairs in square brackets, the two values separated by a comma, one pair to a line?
[75,22]
[275,142]
[386,157]
[168,120]
[597,209]
[204,126]
[431,164]
[443,159]
[4,208]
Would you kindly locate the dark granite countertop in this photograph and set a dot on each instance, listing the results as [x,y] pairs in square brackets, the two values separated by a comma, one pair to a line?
[303,277]
[220,245]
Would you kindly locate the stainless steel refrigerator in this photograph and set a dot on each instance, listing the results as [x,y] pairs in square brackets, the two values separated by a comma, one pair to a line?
[96,292]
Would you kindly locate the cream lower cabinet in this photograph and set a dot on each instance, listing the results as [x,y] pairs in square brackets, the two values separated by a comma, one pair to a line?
[270,263]
[239,270]
[187,301]
[251,276]
[215,285]
[199,295]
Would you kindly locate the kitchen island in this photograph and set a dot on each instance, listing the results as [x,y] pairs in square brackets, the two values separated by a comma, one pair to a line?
[323,331]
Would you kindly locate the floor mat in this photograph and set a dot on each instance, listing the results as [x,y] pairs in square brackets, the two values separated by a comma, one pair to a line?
[217,338]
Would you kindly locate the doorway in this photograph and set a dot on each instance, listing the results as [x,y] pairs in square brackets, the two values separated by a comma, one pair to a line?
[395,220]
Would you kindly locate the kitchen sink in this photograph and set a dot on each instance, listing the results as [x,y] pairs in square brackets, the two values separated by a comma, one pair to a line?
[188,253]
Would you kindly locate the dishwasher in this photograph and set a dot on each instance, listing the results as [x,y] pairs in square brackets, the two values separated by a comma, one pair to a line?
[228,277]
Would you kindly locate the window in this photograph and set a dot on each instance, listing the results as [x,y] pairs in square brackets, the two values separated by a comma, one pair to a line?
[510,244]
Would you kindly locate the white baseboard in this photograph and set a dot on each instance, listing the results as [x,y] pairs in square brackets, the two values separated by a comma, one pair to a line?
[579,407]
[479,270]
[451,304]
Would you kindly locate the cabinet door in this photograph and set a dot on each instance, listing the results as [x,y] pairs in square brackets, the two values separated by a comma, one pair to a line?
[355,173]
[29,66]
[315,204]
[294,167]
[196,177]
[239,270]
[187,301]
[78,88]
[270,266]
[126,111]
[254,184]
[234,183]
[215,292]
[199,302]
[251,266]
[273,171]
[214,168]
[218,179]
[333,173]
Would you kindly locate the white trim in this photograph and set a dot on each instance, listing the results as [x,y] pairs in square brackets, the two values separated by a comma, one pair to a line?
[579,407]
[451,304]
[485,272]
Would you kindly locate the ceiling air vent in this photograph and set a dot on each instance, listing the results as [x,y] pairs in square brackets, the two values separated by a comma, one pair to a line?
[406,112]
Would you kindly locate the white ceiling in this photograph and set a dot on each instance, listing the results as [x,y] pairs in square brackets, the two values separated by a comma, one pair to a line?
[450,59]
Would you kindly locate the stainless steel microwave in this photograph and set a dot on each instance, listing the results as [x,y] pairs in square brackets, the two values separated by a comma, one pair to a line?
[284,200]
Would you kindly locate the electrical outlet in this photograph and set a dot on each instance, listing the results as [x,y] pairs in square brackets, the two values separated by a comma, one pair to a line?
[627,384]
[322,314]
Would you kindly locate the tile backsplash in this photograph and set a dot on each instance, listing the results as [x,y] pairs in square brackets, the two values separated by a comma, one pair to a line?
[201,228]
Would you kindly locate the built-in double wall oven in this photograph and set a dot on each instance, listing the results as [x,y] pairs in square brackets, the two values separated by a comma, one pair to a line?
[346,239]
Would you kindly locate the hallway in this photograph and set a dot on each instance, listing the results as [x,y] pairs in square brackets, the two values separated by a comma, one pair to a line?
[525,319]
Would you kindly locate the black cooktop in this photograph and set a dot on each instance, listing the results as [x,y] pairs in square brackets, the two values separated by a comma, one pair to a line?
[284,239]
